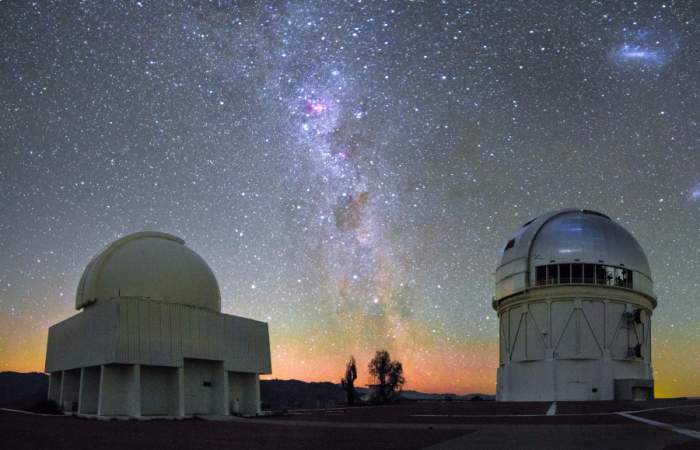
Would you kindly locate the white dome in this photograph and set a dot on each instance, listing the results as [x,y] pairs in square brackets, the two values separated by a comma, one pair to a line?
[149,265]
[570,236]
[588,237]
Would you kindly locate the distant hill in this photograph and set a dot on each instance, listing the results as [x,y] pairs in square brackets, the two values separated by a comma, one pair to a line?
[415,395]
[281,394]
[22,390]
[19,390]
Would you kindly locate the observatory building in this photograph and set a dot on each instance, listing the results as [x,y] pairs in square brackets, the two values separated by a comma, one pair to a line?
[150,338]
[574,299]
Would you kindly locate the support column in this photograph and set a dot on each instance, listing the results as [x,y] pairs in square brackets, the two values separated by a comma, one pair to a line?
[60,390]
[134,396]
[100,400]
[81,394]
[55,379]
[181,392]
[607,384]
[52,382]
[256,393]
[223,391]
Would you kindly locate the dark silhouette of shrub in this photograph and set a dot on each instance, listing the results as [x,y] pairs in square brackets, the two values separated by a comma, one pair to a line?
[348,381]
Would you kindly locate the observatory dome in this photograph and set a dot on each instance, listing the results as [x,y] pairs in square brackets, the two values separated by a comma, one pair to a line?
[149,265]
[574,298]
[579,247]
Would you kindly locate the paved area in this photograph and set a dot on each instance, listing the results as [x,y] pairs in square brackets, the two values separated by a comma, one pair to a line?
[617,437]
[30,432]
[660,424]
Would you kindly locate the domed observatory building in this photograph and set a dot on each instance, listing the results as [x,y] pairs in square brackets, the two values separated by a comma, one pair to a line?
[574,299]
[150,338]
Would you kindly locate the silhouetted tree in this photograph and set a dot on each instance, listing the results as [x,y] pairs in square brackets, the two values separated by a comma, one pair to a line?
[348,381]
[388,373]
[396,378]
[379,366]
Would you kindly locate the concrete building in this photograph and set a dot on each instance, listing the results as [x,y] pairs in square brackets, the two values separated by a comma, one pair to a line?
[150,338]
[574,299]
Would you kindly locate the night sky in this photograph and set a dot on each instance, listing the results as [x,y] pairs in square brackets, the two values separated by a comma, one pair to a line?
[350,170]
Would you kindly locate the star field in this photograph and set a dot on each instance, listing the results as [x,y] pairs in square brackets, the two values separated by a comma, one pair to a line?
[349,170]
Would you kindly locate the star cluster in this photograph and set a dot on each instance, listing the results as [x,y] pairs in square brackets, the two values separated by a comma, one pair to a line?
[350,170]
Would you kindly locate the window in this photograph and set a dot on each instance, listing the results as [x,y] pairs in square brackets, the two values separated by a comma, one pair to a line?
[618,280]
[540,275]
[564,273]
[552,274]
[609,276]
[623,278]
[577,273]
[595,213]
[601,275]
[509,245]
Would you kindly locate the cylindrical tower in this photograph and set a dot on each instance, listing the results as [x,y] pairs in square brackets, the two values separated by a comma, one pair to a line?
[574,297]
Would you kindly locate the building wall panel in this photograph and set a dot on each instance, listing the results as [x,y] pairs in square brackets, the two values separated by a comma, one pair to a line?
[159,387]
[617,330]
[136,331]
[86,339]
[119,390]
[582,368]
[564,329]
[595,314]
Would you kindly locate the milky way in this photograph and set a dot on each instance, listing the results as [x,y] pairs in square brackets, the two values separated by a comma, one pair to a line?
[350,170]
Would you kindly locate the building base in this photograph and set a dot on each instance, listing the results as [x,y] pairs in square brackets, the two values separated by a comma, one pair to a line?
[133,391]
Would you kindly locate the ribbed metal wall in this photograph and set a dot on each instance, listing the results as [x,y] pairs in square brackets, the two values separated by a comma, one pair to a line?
[139,331]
